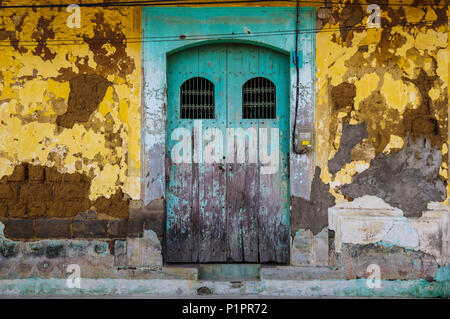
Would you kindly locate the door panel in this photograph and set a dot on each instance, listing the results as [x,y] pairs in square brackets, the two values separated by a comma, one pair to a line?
[196,213]
[182,188]
[274,188]
[242,178]
[228,211]
[211,177]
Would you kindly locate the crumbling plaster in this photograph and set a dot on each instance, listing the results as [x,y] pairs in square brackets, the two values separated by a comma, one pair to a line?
[381,127]
[70,97]
[393,79]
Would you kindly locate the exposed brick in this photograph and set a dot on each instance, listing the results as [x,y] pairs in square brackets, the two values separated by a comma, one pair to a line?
[52,174]
[86,204]
[35,173]
[135,228]
[72,178]
[19,229]
[72,208]
[55,209]
[115,206]
[8,191]
[53,228]
[17,209]
[89,228]
[36,191]
[118,228]
[121,209]
[67,191]
[36,209]
[18,174]
[3,209]
[154,224]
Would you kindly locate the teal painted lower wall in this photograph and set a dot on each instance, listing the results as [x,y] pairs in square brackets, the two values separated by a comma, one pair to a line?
[160,287]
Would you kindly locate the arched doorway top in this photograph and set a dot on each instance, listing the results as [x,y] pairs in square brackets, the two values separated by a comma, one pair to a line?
[227,41]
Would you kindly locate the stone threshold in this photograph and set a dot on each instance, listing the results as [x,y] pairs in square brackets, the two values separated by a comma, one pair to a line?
[250,272]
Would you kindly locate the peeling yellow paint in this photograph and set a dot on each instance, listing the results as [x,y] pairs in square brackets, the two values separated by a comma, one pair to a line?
[344,176]
[398,94]
[365,86]
[395,142]
[35,91]
[6,167]
[434,93]
[413,15]
[431,15]
[430,40]
[442,62]
[107,105]
[384,73]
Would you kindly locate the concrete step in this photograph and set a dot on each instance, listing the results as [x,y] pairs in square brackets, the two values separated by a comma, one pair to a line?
[229,272]
[300,273]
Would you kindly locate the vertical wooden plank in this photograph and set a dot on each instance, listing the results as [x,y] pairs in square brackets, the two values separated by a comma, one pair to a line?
[181,189]
[273,212]
[242,178]
[250,225]
[212,184]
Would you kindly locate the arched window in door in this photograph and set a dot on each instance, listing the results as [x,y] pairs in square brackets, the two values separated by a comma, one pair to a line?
[259,99]
[197,99]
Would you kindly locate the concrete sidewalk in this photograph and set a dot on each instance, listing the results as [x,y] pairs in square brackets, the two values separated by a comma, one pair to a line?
[159,288]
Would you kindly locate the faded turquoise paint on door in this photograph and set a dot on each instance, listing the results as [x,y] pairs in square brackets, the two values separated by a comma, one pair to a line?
[228,211]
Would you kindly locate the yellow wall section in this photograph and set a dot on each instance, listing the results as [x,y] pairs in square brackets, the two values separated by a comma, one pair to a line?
[34,91]
[420,48]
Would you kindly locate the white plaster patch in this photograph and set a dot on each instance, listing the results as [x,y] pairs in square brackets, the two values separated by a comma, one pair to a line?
[433,228]
[144,251]
[369,219]
[309,250]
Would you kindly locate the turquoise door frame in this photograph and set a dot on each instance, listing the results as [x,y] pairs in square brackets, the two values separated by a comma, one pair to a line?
[228,211]
[170,29]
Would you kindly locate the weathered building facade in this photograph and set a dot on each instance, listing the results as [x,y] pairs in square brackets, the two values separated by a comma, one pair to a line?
[89,115]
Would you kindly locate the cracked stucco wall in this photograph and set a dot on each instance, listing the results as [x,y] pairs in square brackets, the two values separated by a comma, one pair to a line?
[381,113]
[72,107]
[379,92]
[394,80]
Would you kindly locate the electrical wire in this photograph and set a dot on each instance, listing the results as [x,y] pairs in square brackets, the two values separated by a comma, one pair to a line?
[131,40]
[177,2]
[135,3]
[297,86]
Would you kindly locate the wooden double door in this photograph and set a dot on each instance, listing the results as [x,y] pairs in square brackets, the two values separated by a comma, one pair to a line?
[223,205]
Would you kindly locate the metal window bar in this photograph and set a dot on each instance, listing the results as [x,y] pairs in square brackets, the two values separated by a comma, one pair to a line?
[259,99]
[197,99]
